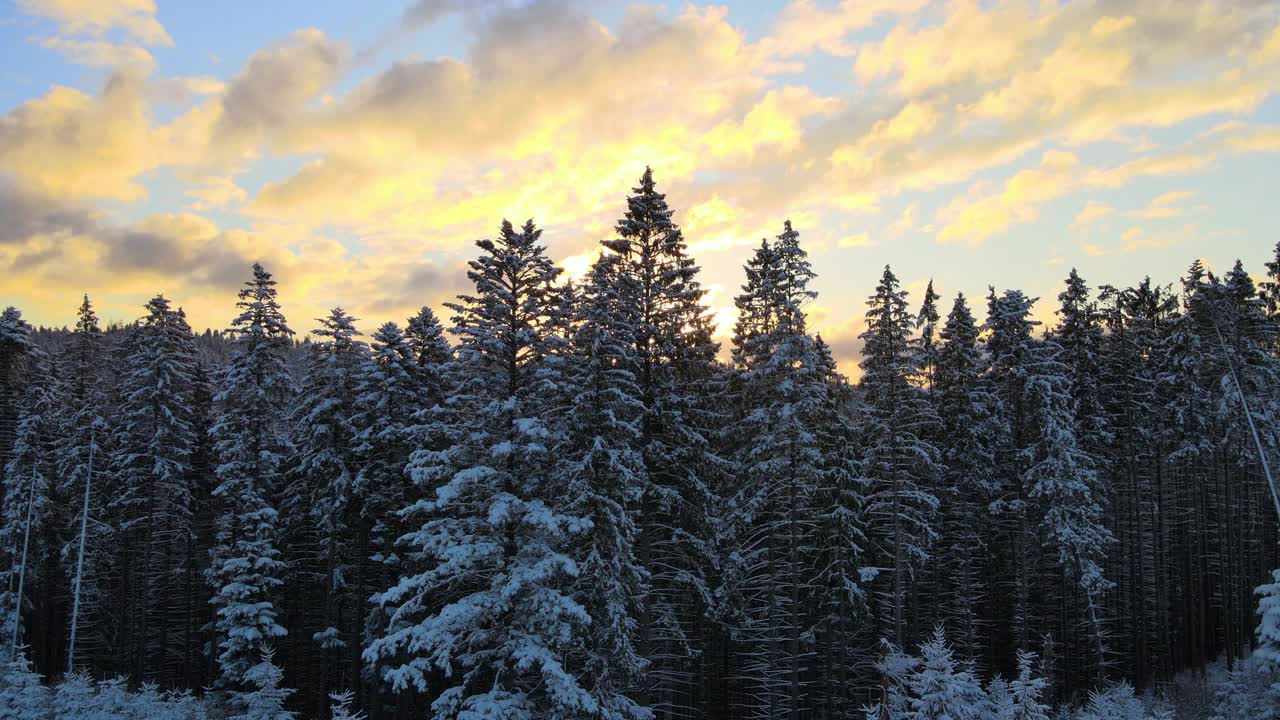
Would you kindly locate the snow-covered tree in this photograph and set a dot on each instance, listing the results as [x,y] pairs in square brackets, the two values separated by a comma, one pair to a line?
[1079,334]
[601,471]
[927,346]
[900,462]
[839,545]
[1027,690]
[265,700]
[1061,481]
[1269,621]
[251,445]
[16,350]
[83,481]
[153,502]
[495,540]
[323,505]
[389,396]
[971,429]
[25,535]
[425,336]
[781,469]
[22,696]
[672,358]
[340,707]
[943,688]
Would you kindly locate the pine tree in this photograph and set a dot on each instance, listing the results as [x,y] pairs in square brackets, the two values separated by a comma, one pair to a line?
[1269,621]
[22,696]
[603,476]
[266,699]
[971,430]
[1079,333]
[901,464]
[27,506]
[927,347]
[324,505]
[1027,690]
[153,505]
[389,396]
[426,338]
[839,595]
[1061,480]
[673,359]
[1269,289]
[16,351]
[781,470]
[941,688]
[495,538]
[83,459]
[251,446]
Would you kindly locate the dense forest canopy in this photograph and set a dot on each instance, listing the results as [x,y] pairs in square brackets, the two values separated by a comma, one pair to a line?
[565,502]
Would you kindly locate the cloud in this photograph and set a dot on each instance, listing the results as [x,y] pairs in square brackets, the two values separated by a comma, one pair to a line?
[217,192]
[98,53]
[97,17]
[1018,203]
[1092,212]
[277,84]
[905,223]
[71,144]
[1164,206]
[859,240]
[26,215]
[975,220]
[774,122]
[804,25]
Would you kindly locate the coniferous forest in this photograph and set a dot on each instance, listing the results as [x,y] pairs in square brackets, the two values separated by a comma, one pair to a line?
[563,500]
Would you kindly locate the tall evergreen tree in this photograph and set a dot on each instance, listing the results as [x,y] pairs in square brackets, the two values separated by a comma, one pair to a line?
[16,348]
[153,504]
[781,468]
[603,476]
[901,464]
[83,460]
[841,545]
[493,545]
[971,430]
[673,359]
[25,541]
[389,396]
[1079,333]
[324,505]
[251,446]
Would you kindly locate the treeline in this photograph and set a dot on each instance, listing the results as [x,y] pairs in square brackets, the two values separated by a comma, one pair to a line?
[574,509]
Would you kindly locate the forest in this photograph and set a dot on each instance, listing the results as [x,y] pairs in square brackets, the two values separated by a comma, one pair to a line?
[565,501]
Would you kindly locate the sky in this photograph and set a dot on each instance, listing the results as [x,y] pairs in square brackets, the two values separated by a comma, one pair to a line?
[358,150]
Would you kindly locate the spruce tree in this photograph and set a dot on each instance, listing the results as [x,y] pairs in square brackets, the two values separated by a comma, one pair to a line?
[324,505]
[1079,333]
[251,447]
[389,396]
[153,504]
[942,688]
[900,463]
[16,350]
[781,469]
[495,538]
[83,452]
[603,477]
[673,356]
[971,429]
[840,547]
[27,506]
